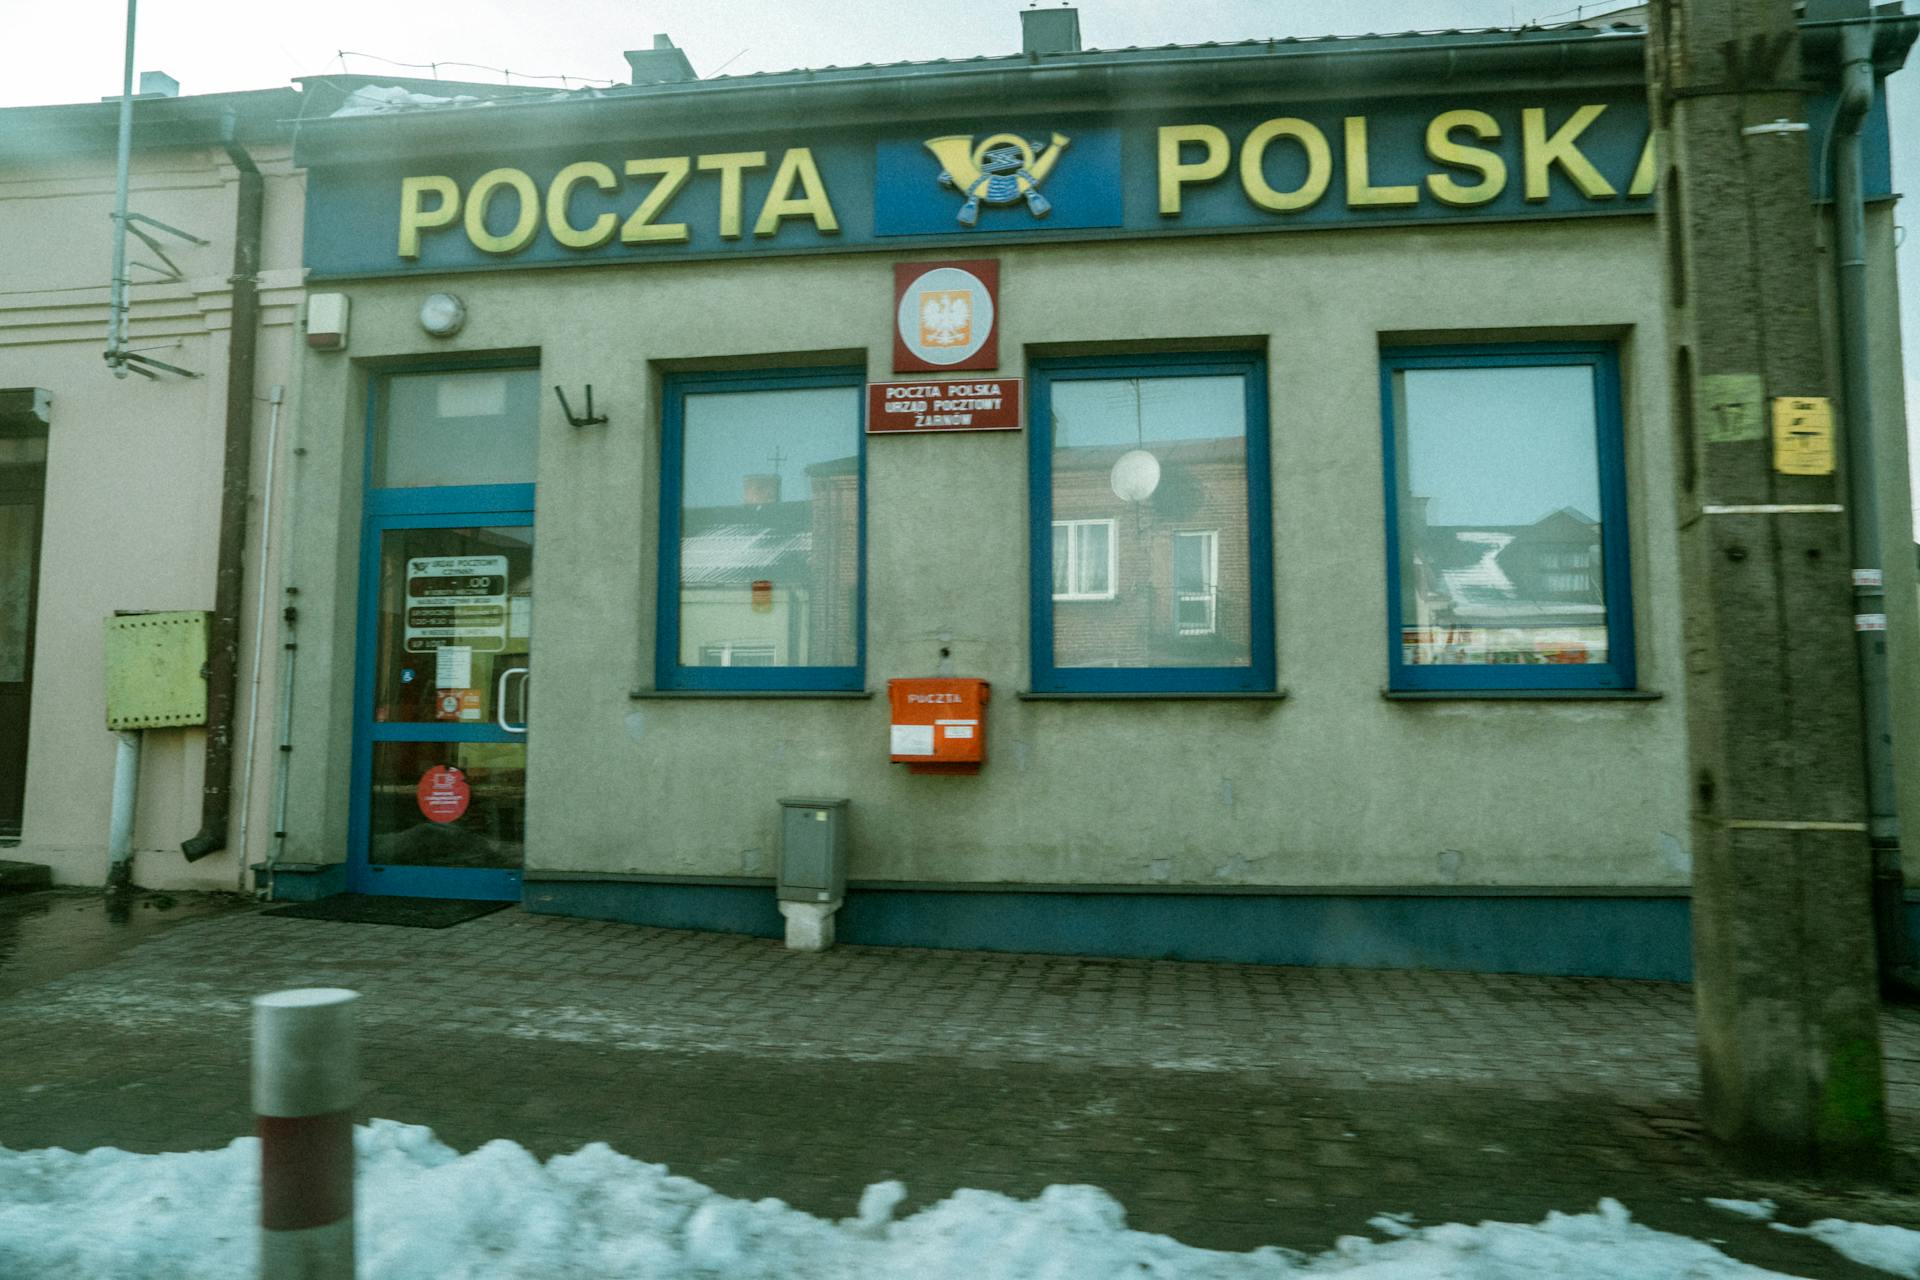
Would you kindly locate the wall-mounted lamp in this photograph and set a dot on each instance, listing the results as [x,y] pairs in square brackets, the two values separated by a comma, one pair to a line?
[443,314]
[589,420]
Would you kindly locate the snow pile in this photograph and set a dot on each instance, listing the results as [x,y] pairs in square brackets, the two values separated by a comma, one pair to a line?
[1758,1210]
[428,1213]
[375,99]
[1891,1249]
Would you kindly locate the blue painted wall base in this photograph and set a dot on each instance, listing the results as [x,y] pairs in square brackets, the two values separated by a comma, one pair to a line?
[1603,937]
[309,882]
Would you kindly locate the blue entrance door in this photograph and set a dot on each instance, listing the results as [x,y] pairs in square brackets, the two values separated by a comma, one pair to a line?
[443,742]
[445,662]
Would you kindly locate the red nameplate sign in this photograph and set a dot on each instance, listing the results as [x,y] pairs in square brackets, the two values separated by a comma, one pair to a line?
[959,404]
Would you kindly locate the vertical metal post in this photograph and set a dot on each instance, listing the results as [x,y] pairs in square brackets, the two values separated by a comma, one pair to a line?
[305,1082]
[117,319]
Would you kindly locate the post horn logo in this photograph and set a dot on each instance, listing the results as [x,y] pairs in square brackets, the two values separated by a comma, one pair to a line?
[1001,169]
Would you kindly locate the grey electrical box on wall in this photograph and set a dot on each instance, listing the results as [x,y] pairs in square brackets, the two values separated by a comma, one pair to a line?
[813,850]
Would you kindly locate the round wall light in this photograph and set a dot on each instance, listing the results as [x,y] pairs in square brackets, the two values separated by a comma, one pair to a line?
[443,314]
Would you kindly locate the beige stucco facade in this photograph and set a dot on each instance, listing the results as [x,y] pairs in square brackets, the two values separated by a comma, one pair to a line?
[133,480]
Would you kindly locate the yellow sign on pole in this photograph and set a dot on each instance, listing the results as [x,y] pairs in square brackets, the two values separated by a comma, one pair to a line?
[1803,435]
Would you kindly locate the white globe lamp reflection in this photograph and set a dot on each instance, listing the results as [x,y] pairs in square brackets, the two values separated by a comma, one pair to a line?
[1135,476]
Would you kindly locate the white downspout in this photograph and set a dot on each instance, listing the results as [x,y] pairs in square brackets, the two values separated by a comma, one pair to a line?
[275,396]
[126,790]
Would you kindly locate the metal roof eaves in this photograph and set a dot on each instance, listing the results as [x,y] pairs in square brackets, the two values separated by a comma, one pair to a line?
[1477,37]
[1535,40]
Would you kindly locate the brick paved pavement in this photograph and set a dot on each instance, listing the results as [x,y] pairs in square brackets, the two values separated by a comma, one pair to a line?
[1226,1105]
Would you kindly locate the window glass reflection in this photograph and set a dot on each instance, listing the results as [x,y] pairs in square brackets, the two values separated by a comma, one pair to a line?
[1500,529]
[1149,490]
[448,804]
[770,528]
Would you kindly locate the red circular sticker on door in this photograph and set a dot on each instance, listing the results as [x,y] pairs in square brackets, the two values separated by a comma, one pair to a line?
[443,793]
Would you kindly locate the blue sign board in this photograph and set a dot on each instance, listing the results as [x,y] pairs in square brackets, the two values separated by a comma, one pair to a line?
[998,182]
[1127,174]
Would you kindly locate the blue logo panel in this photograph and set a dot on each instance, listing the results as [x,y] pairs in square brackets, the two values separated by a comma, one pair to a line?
[1035,179]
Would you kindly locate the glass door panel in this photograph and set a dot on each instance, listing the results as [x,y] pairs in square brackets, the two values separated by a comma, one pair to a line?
[447,619]
[453,614]
[448,804]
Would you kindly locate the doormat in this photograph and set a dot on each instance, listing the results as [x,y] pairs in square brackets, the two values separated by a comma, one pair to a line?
[367,908]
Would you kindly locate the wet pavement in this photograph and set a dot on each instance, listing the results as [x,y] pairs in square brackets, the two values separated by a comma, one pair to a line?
[1228,1106]
[58,931]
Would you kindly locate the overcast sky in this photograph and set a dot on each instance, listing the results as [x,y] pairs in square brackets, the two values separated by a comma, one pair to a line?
[70,50]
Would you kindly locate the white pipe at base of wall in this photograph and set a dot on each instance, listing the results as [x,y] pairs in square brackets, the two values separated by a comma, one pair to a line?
[126,790]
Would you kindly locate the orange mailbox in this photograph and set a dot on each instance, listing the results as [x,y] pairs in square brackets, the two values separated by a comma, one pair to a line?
[939,724]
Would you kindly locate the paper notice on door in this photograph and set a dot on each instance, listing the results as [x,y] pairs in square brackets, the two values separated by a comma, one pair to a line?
[520,616]
[912,740]
[453,667]
[456,601]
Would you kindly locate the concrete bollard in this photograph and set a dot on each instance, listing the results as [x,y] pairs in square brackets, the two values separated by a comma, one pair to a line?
[306,1078]
[809,925]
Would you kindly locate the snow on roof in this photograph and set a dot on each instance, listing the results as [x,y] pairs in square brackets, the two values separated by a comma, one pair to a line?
[1483,578]
[378,100]
[738,552]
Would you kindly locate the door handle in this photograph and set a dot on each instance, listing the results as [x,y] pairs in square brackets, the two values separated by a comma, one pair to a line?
[500,699]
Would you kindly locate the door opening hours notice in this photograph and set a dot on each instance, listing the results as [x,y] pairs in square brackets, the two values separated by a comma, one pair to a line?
[456,600]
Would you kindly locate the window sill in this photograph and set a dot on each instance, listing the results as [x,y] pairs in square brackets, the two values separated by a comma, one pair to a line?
[1266,695]
[639,695]
[1522,695]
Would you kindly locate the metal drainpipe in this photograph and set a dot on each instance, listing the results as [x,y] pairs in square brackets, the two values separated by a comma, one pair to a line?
[1897,970]
[223,639]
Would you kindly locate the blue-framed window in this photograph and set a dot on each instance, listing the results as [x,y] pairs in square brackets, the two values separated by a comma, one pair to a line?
[1507,555]
[1152,543]
[762,531]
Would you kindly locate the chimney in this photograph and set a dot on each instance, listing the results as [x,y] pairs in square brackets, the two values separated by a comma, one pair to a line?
[152,84]
[662,64]
[1050,30]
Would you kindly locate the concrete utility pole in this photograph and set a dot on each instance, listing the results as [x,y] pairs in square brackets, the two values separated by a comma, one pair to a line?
[1784,979]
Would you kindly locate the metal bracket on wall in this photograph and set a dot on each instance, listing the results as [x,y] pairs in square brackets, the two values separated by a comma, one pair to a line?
[118,355]
[589,420]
